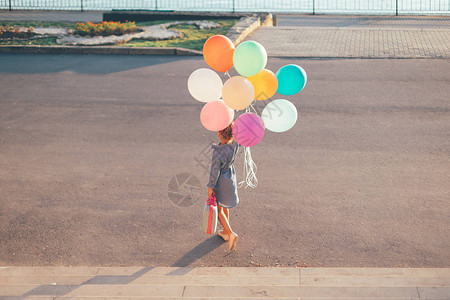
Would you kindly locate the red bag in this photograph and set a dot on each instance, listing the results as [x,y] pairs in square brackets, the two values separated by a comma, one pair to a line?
[210,216]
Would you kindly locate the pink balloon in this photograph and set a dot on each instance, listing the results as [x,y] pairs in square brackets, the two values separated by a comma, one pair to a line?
[215,115]
[248,130]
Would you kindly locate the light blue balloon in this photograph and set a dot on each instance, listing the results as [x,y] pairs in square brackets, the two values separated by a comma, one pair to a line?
[291,80]
[279,115]
[249,58]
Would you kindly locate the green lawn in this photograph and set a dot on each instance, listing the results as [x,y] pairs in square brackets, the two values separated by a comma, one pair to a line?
[194,38]
[47,41]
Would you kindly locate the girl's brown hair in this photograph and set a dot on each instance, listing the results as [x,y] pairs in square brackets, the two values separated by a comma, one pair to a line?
[227,133]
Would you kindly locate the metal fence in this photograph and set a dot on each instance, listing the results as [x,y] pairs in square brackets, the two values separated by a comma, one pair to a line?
[299,6]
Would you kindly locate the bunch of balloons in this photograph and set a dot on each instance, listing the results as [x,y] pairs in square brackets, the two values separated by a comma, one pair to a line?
[254,82]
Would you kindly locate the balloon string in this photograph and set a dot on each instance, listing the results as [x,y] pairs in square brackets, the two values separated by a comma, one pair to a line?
[249,170]
[226,73]
[251,107]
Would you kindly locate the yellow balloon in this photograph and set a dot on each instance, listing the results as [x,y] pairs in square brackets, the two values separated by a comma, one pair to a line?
[265,84]
[238,92]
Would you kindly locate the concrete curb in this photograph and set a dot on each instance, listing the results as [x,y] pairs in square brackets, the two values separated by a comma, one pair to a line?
[99,50]
[237,34]
[246,25]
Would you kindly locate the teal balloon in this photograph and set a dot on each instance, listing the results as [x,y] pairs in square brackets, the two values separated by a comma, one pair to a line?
[291,80]
[279,115]
[249,58]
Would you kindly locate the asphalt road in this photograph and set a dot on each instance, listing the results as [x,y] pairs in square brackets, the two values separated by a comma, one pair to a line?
[89,145]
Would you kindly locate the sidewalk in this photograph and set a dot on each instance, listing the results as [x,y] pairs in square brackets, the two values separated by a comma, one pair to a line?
[51,16]
[228,283]
[357,36]
[361,21]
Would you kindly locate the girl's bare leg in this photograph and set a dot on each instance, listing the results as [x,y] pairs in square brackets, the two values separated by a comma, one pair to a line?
[225,210]
[222,233]
[232,237]
[223,219]
[227,213]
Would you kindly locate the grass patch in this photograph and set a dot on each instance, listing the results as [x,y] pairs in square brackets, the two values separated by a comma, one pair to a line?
[47,41]
[194,38]
[151,23]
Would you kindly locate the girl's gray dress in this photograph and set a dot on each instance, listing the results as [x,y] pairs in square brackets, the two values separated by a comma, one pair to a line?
[223,176]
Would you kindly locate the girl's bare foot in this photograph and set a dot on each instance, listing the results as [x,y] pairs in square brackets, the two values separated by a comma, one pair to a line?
[223,235]
[233,242]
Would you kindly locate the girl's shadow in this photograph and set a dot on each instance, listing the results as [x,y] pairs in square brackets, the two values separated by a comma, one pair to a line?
[199,251]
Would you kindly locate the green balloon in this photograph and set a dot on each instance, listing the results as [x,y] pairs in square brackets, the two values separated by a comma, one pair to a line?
[249,58]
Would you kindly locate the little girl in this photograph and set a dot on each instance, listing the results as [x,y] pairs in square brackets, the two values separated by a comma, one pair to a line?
[222,182]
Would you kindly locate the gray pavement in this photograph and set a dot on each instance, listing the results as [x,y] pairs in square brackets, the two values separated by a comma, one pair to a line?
[361,21]
[89,144]
[53,283]
[357,36]
[51,16]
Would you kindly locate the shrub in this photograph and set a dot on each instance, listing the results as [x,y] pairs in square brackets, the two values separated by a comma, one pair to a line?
[105,28]
[15,32]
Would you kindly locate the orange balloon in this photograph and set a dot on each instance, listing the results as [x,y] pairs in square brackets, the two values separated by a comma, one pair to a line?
[265,84]
[218,53]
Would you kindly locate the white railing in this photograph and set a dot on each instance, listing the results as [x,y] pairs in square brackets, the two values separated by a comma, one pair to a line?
[295,6]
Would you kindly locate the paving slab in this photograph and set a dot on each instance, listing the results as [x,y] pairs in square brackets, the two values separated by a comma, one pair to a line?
[256,280]
[288,41]
[350,292]
[375,281]
[128,271]
[249,271]
[114,298]
[15,290]
[356,36]
[364,21]
[434,292]
[356,298]
[239,291]
[127,290]
[382,272]
[42,279]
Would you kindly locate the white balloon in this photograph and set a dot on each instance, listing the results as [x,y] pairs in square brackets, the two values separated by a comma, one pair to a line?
[279,115]
[205,85]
